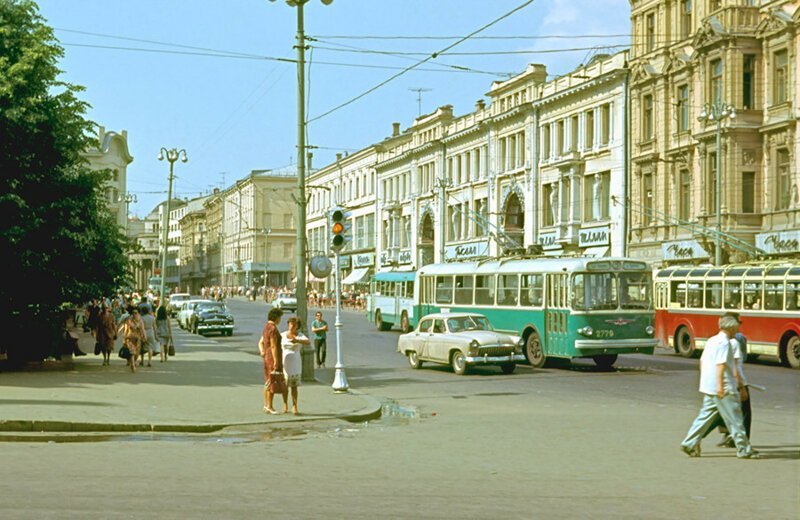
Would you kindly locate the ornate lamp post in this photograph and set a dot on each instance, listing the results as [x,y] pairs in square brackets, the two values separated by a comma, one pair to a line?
[170,155]
[718,111]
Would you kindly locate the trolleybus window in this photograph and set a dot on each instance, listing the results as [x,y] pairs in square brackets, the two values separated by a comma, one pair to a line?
[713,295]
[507,289]
[733,294]
[678,295]
[635,290]
[695,295]
[484,289]
[595,291]
[773,296]
[444,289]
[792,296]
[464,290]
[531,290]
[752,295]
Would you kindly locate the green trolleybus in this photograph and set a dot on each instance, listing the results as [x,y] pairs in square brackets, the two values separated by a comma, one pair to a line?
[391,300]
[562,307]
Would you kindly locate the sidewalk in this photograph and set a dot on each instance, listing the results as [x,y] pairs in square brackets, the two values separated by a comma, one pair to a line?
[206,386]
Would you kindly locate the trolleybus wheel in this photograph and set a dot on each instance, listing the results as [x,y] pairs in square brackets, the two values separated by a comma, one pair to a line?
[683,342]
[413,360]
[459,363]
[791,352]
[404,325]
[508,368]
[533,350]
[382,325]
[605,361]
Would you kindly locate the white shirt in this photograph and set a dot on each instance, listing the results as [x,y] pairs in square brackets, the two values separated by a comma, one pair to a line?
[716,352]
[738,356]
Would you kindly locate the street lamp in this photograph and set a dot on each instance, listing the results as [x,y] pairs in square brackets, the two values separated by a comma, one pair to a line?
[300,237]
[266,232]
[170,155]
[717,111]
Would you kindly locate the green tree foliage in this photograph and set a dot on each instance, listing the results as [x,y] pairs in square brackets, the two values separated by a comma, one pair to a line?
[57,240]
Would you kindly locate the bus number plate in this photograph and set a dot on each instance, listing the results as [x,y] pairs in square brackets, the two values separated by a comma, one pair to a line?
[604,333]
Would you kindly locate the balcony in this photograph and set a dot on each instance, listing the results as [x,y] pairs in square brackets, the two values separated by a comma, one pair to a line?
[737,19]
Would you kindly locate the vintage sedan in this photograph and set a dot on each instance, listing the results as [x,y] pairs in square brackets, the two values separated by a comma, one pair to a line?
[175,301]
[211,317]
[187,310]
[460,340]
[285,301]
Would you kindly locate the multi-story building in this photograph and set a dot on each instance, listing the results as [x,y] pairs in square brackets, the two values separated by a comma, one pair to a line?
[112,155]
[214,273]
[193,246]
[258,214]
[171,271]
[144,232]
[687,56]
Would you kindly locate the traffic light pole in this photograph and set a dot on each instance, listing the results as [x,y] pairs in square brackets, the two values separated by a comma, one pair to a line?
[340,378]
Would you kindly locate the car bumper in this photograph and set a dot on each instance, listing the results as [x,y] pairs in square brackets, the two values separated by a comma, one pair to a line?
[487,360]
[596,347]
[205,327]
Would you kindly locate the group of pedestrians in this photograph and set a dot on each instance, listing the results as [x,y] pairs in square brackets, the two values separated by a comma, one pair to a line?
[726,398]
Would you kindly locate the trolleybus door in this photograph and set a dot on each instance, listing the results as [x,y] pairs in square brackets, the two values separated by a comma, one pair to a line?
[556,335]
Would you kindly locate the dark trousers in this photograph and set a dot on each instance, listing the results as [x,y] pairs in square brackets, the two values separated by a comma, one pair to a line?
[321,348]
[747,413]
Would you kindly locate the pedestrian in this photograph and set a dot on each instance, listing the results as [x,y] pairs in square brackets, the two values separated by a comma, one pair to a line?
[291,343]
[163,331]
[270,349]
[319,328]
[106,333]
[720,387]
[133,335]
[150,344]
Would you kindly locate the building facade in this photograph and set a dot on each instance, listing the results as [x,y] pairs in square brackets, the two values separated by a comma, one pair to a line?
[144,233]
[194,255]
[113,155]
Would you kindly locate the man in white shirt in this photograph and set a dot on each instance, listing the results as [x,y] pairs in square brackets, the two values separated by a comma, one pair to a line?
[719,384]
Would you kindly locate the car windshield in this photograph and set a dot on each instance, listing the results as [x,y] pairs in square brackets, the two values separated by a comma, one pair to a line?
[464,323]
[610,291]
[286,295]
[210,307]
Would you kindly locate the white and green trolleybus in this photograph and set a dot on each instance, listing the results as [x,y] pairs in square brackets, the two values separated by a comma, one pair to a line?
[391,300]
[563,307]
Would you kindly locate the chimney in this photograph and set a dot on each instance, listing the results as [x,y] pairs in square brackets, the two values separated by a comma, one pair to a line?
[338,157]
[480,104]
[125,134]
[395,129]
[309,156]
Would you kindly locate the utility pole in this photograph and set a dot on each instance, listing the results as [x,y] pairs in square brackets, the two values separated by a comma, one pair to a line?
[171,155]
[443,183]
[419,91]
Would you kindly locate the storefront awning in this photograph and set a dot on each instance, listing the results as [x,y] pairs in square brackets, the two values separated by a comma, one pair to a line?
[356,276]
[597,251]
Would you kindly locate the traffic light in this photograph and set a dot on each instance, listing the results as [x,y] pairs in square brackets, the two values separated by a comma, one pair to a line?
[340,229]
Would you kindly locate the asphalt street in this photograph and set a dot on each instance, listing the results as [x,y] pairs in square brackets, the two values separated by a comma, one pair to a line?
[559,442]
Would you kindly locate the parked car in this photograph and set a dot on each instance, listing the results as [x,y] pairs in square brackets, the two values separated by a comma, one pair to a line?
[285,301]
[175,302]
[211,317]
[187,310]
[460,340]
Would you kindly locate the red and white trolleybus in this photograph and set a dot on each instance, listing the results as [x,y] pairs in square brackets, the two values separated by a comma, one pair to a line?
[690,300]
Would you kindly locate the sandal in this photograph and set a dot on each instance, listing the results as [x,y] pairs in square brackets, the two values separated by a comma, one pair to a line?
[270,411]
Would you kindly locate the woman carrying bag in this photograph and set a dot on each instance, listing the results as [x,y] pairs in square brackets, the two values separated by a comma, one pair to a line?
[164,331]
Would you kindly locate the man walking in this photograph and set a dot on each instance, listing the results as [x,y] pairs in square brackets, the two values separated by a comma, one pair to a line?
[720,385]
[320,329]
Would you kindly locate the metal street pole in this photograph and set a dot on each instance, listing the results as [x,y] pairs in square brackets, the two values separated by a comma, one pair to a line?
[718,194]
[171,155]
[266,259]
[340,378]
[300,243]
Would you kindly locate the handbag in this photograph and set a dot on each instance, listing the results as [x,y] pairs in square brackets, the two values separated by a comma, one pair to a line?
[277,383]
[97,348]
[125,352]
[171,347]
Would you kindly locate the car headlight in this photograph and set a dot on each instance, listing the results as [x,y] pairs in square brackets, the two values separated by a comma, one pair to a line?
[586,331]
[473,347]
[650,330]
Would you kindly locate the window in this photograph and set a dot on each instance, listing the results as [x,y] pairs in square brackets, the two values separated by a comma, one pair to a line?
[546,141]
[651,32]
[716,81]
[531,290]
[748,81]
[773,296]
[713,295]
[683,108]
[686,18]
[711,182]
[507,289]
[464,290]
[752,295]
[733,294]
[685,195]
[784,181]
[605,124]
[550,196]
[573,123]
[792,296]
[596,198]
[592,292]
[484,289]
[444,289]
[748,192]
[588,130]
[560,138]
[695,293]
[648,197]
[647,117]
[781,78]
[438,327]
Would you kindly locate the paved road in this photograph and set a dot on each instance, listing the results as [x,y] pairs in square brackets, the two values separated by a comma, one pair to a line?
[551,443]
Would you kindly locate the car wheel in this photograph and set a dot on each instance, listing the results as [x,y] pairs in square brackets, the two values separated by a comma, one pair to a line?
[508,368]
[605,361]
[459,362]
[790,356]
[413,360]
[534,351]
[405,328]
[684,344]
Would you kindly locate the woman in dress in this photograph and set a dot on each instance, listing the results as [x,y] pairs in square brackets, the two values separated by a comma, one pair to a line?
[292,341]
[133,335]
[150,334]
[163,330]
[270,349]
[106,334]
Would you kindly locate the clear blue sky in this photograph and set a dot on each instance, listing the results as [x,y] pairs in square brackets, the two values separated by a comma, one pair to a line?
[235,115]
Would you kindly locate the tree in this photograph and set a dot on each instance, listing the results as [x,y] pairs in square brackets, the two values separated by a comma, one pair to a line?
[59,242]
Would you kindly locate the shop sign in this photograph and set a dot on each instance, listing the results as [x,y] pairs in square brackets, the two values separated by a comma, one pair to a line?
[344,262]
[683,250]
[404,257]
[549,240]
[364,259]
[596,236]
[779,243]
[384,257]
[464,251]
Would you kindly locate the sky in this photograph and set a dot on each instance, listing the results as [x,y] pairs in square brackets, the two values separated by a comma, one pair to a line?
[235,111]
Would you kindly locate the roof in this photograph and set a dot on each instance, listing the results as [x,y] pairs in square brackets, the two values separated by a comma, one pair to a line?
[395,276]
[529,265]
[447,315]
